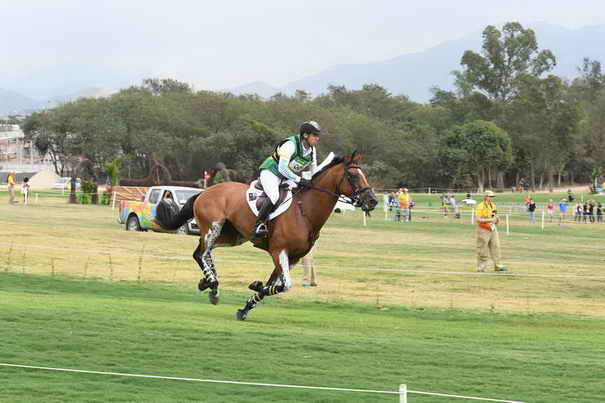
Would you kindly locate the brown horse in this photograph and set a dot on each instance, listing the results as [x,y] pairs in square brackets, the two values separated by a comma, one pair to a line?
[225,219]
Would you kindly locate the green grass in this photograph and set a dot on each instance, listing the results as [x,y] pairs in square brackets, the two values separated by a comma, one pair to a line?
[398,303]
[158,330]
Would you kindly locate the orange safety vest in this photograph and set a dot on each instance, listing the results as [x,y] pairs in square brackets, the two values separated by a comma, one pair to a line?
[485,210]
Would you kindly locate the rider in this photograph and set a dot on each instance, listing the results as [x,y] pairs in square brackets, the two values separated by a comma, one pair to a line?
[291,156]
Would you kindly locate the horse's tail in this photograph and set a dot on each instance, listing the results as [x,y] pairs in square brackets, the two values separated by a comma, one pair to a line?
[168,215]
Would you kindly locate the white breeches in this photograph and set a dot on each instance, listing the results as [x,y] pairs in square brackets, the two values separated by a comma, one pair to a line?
[270,184]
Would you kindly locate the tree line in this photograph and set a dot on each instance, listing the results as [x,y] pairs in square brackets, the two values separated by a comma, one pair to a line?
[508,118]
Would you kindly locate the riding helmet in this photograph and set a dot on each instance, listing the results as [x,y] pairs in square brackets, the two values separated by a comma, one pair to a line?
[310,127]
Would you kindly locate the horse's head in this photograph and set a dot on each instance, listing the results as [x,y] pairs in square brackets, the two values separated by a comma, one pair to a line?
[355,185]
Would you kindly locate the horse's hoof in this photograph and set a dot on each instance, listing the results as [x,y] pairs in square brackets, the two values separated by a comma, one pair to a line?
[213,296]
[202,285]
[256,286]
[241,314]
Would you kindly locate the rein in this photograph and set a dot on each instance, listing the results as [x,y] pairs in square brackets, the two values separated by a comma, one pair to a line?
[354,199]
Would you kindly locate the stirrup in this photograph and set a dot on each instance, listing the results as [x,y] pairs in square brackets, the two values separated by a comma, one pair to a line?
[260,231]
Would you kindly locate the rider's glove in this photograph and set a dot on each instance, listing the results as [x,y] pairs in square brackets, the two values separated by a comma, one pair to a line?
[305,183]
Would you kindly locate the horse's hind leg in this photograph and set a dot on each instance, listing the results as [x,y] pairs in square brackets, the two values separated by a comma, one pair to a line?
[281,275]
[204,260]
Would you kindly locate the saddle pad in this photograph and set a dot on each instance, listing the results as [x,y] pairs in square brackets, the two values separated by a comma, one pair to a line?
[252,194]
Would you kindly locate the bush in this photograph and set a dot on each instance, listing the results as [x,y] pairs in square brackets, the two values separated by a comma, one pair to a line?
[105,198]
[84,198]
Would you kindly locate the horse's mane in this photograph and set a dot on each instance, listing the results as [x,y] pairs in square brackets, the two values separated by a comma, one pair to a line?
[335,161]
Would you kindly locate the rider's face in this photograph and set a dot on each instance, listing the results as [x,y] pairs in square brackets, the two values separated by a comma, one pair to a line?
[312,139]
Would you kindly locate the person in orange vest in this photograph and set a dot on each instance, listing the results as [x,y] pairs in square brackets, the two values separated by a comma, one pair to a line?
[404,203]
[488,243]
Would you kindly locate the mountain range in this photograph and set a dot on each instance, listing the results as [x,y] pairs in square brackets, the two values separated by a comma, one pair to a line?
[411,74]
[414,74]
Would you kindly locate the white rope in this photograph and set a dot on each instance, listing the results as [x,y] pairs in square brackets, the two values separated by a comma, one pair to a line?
[274,385]
[201,380]
[462,397]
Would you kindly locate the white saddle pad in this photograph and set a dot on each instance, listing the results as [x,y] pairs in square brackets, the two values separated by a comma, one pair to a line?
[252,194]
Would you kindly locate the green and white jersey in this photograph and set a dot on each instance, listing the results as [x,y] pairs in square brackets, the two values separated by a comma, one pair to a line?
[290,158]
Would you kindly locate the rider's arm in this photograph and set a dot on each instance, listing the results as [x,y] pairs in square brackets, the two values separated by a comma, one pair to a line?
[285,153]
[314,163]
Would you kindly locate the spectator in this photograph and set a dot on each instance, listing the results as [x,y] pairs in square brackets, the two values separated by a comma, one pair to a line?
[10,181]
[599,212]
[562,210]
[444,204]
[310,278]
[25,189]
[578,211]
[531,210]
[404,204]
[550,210]
[526,200]
[391,201]
[591,210]
[468,201]
[488,243]
[570,197]
[584,211]
[454,205]
[398,205]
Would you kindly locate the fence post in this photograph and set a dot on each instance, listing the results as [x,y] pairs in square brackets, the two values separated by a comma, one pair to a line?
[113,203]
[36,198]
[365,223]
[542,220]
[473,216]
[403,393]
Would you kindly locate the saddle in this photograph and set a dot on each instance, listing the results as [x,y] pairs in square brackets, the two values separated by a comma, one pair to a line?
[255,195]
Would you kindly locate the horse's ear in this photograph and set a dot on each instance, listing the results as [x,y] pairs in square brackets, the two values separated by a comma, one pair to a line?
[355,157]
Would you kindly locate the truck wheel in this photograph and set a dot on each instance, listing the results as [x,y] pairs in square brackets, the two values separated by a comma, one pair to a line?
[132,224]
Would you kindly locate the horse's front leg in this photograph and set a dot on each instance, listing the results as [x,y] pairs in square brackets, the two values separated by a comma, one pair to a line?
[280,281]
[206,263]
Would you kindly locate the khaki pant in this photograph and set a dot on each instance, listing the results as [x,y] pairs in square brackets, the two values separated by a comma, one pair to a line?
[11,194]
[488,246]
[309,277]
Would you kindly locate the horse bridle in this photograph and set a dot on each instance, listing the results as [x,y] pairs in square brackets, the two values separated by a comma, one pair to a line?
[353,181]
[355,198]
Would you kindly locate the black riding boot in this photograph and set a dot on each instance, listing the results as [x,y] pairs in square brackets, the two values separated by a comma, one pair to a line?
[260,230]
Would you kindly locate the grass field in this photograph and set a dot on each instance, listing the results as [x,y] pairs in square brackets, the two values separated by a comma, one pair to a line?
[398,303]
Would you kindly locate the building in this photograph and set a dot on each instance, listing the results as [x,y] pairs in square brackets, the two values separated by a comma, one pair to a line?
[17,154]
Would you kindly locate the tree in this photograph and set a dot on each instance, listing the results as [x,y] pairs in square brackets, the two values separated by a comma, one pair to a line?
[471,149]
[162,86]
[51,133]
[490,77]
[544,118]
[591,82]
[504,55]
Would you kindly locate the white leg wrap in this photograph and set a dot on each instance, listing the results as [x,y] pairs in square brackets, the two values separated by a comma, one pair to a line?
[285,266]
[213,232]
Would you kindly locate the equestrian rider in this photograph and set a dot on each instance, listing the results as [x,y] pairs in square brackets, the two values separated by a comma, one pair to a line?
[291,156]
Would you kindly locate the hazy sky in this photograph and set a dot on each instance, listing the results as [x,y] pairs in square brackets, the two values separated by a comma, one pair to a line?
[224,43]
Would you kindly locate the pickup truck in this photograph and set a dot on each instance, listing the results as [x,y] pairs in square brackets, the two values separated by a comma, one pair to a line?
[138,215]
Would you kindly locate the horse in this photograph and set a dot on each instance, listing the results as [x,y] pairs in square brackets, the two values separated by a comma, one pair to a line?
[225,220]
